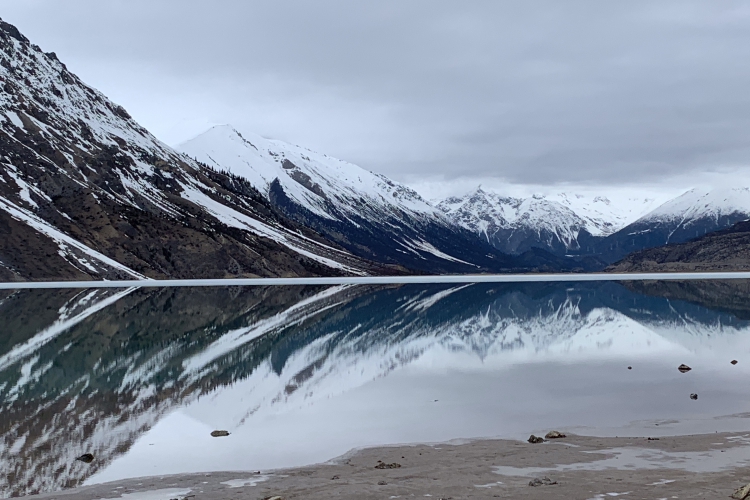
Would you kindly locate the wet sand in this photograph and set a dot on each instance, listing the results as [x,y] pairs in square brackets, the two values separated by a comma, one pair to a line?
[706,466]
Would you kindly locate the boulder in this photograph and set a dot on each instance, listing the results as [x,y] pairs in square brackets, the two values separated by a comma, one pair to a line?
[543,481]
[383,465]
[742,493]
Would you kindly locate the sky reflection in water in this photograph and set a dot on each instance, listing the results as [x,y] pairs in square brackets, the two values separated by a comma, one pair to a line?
[297,375]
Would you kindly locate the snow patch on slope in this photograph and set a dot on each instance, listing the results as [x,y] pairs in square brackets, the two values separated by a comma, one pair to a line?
[703,203]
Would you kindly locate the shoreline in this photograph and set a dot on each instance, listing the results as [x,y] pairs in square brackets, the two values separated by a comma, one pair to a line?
[583,467]
[386,280]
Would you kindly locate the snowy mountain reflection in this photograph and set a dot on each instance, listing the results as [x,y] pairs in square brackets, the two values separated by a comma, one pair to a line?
[139,378]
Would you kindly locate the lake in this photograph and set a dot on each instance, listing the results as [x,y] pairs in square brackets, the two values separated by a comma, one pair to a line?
[140,377]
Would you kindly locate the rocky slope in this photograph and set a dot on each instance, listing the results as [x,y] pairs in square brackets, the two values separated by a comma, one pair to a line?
[86,192]
[725,250]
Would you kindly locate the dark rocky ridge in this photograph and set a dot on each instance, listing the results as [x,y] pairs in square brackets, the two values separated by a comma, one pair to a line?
[725,250]
[645,234]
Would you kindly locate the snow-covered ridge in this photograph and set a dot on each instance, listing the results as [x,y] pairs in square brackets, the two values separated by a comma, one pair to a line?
[703,203]
[313,180]
[562,213]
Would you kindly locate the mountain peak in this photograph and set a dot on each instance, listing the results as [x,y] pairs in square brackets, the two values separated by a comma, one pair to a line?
[12,31]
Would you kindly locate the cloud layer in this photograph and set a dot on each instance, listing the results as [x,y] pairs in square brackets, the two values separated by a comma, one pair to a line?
[533,92]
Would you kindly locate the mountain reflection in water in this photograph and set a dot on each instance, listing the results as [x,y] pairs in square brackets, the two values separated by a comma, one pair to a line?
[139,378]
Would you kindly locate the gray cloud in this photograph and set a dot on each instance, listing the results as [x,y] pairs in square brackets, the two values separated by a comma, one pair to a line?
[531,92]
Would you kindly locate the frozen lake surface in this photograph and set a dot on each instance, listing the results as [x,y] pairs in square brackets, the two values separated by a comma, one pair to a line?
[139,377]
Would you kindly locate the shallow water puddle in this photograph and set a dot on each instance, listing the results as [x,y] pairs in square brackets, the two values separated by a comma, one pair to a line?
[642,458]
[161,494]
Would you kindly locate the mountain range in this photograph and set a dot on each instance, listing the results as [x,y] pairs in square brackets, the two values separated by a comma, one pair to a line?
[88,193]
[570,224]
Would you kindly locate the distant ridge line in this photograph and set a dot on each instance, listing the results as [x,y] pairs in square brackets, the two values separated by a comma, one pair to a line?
[381,280]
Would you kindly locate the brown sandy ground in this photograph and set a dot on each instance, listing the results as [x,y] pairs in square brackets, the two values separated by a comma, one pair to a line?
[708,466]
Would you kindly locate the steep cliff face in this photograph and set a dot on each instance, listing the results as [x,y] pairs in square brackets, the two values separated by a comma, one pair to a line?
[85,191]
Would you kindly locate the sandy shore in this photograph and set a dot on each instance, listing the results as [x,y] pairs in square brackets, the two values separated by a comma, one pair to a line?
[707,466]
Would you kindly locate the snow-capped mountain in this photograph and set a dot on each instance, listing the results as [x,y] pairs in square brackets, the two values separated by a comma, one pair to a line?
[688,216]
[561,223]
[605,214]
[234,357]
[85,191]
[325,186]
[366,213]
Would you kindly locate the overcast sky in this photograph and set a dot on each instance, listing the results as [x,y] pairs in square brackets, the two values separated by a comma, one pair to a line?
[542,93]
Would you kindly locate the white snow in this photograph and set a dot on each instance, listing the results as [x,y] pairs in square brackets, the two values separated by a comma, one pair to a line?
[23,186]
[14,119]
[703,202]
[429,248]
[239,220]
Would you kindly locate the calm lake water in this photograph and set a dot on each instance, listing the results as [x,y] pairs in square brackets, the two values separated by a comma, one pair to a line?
[139,378]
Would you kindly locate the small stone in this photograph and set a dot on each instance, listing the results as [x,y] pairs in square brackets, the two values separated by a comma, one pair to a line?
[334,478]
[86,458]
[554,435]
[217,434]
[382,483]
[544,481]
[684,368]
[383,465]
[734,361]
[630,367]
[275,497]
[742,493]
[693,396]
[535,439]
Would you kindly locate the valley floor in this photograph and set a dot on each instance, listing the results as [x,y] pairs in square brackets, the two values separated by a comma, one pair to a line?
[686,467]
